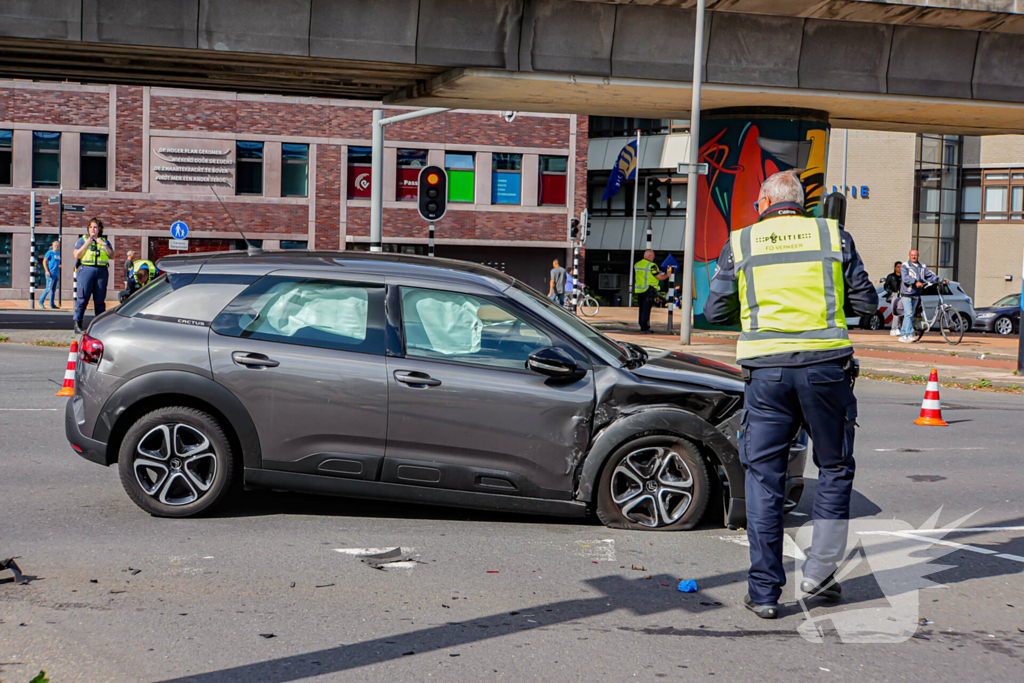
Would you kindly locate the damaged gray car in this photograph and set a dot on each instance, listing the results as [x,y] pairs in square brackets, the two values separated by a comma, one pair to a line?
[405,379]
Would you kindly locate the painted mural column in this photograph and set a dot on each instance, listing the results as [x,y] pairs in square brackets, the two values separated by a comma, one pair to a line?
[742,147]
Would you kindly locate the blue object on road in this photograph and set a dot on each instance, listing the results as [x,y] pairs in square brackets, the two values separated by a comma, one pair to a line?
[688,586]
[179,230]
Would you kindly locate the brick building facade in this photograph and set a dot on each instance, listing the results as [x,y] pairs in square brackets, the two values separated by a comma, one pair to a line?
[288,169]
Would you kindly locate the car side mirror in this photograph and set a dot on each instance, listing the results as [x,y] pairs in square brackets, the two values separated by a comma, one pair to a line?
[553,362]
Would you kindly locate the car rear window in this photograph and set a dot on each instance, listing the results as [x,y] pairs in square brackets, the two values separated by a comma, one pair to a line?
[345,316]
[154,291]
[178,296]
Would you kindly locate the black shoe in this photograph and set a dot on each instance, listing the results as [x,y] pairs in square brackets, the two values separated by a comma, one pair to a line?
[828,588]
[78,328]
[763,611]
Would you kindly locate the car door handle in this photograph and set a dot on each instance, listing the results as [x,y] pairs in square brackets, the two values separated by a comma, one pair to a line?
[416,379]
[253,360]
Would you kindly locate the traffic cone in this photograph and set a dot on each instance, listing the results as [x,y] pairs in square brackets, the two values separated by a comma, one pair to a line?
[931,408]
[69,375]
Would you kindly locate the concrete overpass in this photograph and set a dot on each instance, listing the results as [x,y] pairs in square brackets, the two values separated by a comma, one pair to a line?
[915,65]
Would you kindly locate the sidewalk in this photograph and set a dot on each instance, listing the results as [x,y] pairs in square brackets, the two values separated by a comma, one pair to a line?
[978,360]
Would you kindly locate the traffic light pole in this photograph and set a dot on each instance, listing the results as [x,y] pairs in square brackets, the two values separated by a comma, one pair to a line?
[32,249]
[686,308]
[60,247]
[430,240]
[377,168]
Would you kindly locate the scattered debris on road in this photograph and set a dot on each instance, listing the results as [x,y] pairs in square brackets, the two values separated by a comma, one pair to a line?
[324,585]
[637,567]
[268,635]
[688,586]
[380,560]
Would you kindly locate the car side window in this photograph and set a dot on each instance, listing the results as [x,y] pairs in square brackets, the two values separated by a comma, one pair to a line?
[345,316]
[450,326]
[945,290]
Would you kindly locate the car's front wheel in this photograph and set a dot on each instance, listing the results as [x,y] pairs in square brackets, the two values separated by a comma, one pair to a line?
[176,462]
[876,322]
[655,483]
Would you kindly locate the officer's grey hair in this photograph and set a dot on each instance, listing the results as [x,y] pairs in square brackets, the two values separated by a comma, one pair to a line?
[784,186]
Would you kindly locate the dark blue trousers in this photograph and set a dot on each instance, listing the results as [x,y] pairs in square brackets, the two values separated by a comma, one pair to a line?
[92,281]
[777,402]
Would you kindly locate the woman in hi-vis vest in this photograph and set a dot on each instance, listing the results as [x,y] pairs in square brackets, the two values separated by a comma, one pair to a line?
[93,251]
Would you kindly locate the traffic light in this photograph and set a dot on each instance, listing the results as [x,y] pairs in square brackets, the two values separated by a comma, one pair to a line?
[432,193]
[574,231]
[654,195]
[834,207]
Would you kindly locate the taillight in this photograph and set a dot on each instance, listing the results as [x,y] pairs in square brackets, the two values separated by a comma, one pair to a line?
[90,350]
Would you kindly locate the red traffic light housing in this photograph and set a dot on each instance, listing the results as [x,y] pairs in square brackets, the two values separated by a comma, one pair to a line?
[432,193]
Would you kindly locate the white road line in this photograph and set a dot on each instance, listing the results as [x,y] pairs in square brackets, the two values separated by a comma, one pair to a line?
[370,551]
[789,546]
[958,530]
[29,410]
[921,450]
[951,544]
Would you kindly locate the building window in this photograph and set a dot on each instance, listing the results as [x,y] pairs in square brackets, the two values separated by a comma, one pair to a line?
[6,157]
[461,177]
[5,259]
[43,243]
[506,178]
[359,172]
[939,202]
[622,126]
[294,244]
[551,189]
[93,168]
[45,159]
[249,163]
[672,200]
[410,161]
[294,170]
[1004,195]
[970,209]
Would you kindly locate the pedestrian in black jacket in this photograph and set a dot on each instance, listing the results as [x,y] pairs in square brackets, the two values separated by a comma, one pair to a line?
[892,289]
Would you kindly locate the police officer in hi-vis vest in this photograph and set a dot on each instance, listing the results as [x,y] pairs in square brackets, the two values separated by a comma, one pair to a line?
[790,281]
[646,276]
[93,252]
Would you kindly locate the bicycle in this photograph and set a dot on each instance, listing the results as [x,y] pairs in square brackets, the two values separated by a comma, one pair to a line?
[951,321]
[587,305]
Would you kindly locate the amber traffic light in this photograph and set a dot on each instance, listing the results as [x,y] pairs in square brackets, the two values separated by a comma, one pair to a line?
[432,193]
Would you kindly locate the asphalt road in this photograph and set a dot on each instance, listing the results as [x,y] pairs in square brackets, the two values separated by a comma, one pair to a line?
[121,596]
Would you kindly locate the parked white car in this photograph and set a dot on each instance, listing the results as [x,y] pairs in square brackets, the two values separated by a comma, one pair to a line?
[953,294]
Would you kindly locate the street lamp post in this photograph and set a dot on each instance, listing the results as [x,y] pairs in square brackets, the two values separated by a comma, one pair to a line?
[686,309]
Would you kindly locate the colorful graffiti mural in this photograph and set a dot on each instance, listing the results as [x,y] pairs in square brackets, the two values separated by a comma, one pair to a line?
[741,151]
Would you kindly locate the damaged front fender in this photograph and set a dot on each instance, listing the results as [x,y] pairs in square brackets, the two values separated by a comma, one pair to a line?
[665,419]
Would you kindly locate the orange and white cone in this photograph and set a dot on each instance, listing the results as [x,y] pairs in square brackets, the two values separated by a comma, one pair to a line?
[69,375]
[931,407]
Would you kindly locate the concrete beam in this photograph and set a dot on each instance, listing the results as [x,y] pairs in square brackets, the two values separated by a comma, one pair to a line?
[655,42]
[280,27]
[567,36]
[470,33]
[749,48]
[42,19]
[999,68]
[382,30]
[845,55]
[168,23]
[932,61]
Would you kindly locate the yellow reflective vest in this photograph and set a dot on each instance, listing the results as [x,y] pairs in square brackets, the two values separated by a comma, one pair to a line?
[137,265]
[789,273]
[95,255]
[645,275]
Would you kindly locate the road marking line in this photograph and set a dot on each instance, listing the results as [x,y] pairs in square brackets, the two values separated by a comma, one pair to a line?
[958,530]
[950,544]
[922,450]
[370,551]
[29,409]
[789,546]
[1008,556]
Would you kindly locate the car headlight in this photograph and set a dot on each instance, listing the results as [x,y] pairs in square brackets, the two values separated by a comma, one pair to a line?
[986,315]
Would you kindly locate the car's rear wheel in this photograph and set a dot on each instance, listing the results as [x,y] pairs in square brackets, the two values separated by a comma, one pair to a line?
[876,322]
[1003,325]
[176,462]
[654,483]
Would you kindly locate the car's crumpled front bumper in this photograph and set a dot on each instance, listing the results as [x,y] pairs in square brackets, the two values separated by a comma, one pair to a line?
[90,449]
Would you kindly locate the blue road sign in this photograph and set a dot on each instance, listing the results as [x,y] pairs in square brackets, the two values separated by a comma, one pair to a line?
[179,230]
[670,261]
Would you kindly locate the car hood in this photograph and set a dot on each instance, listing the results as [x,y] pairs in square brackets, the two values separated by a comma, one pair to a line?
[674,366]
[997,309]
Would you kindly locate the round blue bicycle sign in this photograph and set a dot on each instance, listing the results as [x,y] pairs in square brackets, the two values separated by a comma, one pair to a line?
[179,230]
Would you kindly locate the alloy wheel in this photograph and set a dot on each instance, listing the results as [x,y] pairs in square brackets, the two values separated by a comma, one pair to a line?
[175,464]
[1004,326]
[652,486]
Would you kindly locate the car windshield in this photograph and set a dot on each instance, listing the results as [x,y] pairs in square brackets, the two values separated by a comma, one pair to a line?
[1009,300]
[590,337]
